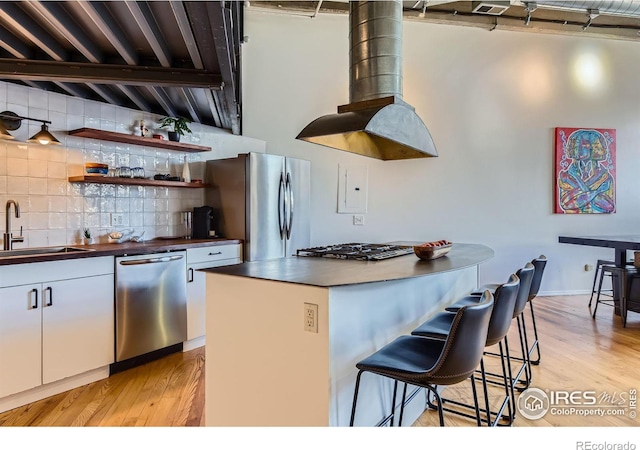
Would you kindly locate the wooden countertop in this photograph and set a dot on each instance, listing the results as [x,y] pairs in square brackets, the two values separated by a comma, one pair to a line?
[327,272]
[126,248]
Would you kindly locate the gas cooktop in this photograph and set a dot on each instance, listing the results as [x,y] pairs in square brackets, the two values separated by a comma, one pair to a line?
[364,252]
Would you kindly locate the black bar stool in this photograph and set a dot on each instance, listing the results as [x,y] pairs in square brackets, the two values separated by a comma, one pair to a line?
[504,303]
[539,264]
[526,277]
[429,363]
[598,277]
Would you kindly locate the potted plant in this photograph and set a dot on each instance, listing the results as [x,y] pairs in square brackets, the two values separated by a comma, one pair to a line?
[180,127]
[86,236]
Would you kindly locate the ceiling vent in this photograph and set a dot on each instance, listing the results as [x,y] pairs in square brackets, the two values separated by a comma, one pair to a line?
[491,8]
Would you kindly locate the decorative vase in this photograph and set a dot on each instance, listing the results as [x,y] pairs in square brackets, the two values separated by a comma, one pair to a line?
[186,173]
[173,136]
[87,241]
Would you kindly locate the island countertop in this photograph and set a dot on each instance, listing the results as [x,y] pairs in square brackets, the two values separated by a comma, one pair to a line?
[329,272]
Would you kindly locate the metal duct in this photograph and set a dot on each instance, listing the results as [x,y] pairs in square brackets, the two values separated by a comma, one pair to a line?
[376,123]
[375,53]
[625,8]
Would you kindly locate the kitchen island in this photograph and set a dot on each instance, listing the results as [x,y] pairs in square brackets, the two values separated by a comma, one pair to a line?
[264,368]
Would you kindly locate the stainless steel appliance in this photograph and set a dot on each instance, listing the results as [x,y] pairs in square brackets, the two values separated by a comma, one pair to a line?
[262,199]
[364,252]
[151,303]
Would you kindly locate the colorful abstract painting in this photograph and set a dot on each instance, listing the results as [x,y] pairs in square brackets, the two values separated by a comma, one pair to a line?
[585,171]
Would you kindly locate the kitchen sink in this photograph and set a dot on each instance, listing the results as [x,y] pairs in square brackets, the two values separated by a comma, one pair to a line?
[39,251]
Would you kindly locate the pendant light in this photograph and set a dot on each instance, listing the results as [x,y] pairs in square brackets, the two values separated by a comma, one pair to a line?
[10,121]
[44,137]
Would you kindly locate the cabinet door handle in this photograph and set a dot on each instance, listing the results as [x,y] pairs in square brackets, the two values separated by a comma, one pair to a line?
[50,302]
[190,275]
[215,253]
[35,304]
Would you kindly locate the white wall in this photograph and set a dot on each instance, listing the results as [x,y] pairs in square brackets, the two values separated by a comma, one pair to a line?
[491,101]
[54,211]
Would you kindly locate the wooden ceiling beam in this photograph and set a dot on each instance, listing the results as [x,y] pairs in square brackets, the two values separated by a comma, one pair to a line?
[107,74]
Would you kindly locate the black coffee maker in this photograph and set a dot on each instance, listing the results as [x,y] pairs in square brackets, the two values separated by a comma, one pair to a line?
[203,223]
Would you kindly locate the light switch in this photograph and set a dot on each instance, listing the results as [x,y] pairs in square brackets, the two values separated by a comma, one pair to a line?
[352,189]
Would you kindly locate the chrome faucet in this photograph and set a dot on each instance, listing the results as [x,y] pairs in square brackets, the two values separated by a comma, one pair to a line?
[8,238]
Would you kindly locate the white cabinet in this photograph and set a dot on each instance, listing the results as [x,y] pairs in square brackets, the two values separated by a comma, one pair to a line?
[20,338]
[77,326]
[53,326]
[201,258]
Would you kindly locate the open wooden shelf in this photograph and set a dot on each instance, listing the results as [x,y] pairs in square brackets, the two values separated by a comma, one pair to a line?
[134,181]
[137,140]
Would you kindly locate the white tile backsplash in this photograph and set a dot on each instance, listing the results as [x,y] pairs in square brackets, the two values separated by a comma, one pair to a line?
[38,203]
[92,111]
[57,204]
[18,167]
[18,95]
[37,169]
[57,187]
[75,106]
[57,220]
[38,99]
[37,186]
[57,102]
[57,170]
[17,185]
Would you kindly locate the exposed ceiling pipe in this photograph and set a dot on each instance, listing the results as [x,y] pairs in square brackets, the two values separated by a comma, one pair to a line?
[627,8]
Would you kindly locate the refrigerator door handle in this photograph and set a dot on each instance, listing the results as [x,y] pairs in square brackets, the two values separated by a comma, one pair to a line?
[281,201]
[289,190]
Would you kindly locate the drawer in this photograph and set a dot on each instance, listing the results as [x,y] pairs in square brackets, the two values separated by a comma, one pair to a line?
[214,253]
[44,272]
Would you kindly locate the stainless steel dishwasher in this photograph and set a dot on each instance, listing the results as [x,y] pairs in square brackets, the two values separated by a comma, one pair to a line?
[151,303]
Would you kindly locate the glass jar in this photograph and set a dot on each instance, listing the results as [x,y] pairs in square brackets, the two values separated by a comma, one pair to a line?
[137,172]
[124,172]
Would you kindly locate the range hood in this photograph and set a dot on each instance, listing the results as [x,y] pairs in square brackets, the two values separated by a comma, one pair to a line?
[376,123]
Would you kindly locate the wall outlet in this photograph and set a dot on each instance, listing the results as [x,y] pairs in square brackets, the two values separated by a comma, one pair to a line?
[588,267]
[358,219]
[117,219]
[311,317]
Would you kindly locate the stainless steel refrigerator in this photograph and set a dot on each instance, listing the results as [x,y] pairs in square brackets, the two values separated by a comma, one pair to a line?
[264,200]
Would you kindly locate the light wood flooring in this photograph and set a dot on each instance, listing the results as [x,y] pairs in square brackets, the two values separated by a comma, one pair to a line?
[578,353]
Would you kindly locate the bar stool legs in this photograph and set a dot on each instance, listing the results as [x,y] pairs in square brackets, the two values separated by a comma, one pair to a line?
[599,264]
[526,364]
[536,343]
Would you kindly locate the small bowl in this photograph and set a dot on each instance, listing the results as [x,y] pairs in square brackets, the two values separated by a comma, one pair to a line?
[97,170]
[427,253]
[93,168]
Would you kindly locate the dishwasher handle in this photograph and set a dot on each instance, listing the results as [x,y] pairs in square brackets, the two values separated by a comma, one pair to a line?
[151,260]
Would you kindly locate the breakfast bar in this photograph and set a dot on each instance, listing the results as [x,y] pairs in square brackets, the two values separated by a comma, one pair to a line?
[284,335]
